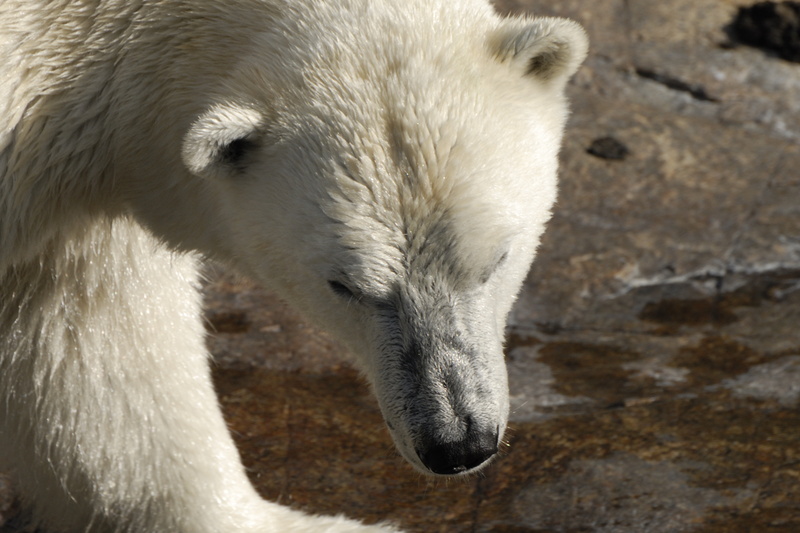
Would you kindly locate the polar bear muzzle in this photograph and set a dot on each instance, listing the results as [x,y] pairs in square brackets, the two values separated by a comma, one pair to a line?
[443,388]
[458,457]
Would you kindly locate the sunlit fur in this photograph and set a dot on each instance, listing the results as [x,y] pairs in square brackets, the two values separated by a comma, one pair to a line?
[405,151]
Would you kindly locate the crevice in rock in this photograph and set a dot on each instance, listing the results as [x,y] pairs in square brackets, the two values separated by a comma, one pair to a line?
[716,276]
[747,224]
[479,498]
[696,91]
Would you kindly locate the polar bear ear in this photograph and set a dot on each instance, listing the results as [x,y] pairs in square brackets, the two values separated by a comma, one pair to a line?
[218,143]
[548,49]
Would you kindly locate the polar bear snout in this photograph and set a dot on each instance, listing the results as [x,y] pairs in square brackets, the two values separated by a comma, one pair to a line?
[445,402]
[445,458]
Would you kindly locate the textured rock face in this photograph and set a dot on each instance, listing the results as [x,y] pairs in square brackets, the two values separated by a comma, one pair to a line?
[654,356]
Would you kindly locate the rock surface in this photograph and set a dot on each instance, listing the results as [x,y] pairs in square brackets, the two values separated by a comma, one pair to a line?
[654,355]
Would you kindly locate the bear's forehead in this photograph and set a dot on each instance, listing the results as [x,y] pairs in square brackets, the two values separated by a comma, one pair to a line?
[407,225]
[422,171]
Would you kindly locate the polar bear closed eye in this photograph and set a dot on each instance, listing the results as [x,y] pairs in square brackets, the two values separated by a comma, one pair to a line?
[386,167]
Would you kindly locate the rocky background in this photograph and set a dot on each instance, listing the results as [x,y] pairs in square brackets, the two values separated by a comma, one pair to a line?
[654,355]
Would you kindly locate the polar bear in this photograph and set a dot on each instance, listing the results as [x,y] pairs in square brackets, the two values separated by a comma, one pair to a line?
[386,167]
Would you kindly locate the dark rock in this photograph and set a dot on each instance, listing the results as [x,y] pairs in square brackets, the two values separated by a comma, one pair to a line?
[773,26]
[227,321]
[608,148]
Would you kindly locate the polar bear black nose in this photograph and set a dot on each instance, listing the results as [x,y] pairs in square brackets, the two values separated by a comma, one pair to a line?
[451,458]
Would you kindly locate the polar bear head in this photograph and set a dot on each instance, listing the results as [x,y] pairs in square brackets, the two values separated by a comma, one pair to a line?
[389,171]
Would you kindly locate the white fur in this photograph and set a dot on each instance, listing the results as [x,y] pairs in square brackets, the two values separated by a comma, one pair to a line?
[402,151]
